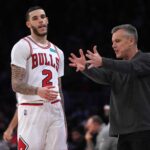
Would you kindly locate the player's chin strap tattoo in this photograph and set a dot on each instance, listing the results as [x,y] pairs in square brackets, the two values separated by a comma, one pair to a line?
[18,84]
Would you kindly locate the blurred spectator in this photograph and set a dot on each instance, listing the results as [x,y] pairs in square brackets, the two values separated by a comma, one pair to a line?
[77,141]
[106,109]
[95,125]
[4,145]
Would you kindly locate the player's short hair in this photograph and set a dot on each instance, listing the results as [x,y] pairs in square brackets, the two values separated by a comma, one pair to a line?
[30,10]
[130,29]
[97,119]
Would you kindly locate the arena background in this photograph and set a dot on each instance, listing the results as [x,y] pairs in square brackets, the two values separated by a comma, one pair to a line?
[73,24]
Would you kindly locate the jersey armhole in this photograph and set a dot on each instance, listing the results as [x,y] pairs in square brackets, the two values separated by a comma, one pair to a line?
[56,50]
[31,51]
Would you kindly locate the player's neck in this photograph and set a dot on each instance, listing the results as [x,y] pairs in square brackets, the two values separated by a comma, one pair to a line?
[39,39]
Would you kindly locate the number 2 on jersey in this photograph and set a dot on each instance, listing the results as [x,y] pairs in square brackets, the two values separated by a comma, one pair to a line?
[46,80]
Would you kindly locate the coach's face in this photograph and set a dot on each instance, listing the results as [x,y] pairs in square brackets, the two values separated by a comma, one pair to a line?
[38,22]
[122,43]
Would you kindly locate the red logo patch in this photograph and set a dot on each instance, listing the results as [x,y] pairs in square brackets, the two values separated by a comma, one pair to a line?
[22,145]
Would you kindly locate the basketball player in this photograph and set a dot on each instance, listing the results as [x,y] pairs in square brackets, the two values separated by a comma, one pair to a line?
[129,79]
[37,66]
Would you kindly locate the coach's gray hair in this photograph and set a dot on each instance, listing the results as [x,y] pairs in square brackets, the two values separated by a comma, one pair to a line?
[130,29]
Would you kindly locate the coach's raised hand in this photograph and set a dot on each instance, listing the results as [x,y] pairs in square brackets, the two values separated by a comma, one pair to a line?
[78,62]
[95,59]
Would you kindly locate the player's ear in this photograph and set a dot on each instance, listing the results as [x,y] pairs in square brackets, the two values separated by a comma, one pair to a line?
[47,20]
[28,24]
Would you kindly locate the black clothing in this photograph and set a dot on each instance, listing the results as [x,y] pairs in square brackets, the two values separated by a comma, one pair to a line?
[130,92]
[135,141]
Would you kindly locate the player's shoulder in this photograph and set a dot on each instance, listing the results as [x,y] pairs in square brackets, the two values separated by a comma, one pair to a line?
[60,51]
[22,41]
[22,45]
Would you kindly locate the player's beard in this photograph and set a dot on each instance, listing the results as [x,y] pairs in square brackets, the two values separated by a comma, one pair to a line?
[35,31]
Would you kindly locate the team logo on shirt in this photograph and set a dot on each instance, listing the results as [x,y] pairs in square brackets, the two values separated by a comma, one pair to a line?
[22,145]
[52,50]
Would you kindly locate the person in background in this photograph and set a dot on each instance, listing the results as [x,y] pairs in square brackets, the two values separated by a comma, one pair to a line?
[95,126]
[106,109]
[77,140]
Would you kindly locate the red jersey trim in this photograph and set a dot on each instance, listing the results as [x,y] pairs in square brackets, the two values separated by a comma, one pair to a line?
[56,50]
[32,104]
[46,47]
[31,51]
[39,104]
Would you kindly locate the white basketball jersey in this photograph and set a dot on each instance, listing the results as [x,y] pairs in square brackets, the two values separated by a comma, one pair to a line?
[44,65]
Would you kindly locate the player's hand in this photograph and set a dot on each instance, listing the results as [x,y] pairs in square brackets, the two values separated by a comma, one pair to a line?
[8,135]
[78,62]
[48,92]
[95,59]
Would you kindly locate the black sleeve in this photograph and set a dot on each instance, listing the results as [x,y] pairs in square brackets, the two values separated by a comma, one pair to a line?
[99,75]
[140,65]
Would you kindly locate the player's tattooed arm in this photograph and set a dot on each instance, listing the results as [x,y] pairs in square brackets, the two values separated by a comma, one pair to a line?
[18,84]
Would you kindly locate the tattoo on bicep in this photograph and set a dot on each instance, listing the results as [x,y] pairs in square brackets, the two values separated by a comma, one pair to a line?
[18,83]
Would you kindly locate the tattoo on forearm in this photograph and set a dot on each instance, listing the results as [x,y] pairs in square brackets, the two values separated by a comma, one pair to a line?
[18,84]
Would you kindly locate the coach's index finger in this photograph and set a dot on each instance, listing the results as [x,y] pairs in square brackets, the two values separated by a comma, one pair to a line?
[95,49]
[81,52]
[73,55]
[89,54]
